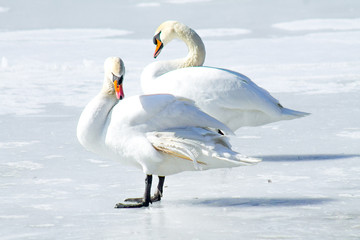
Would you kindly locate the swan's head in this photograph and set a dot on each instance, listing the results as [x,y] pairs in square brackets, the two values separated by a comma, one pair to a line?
[166,32]
[114,76]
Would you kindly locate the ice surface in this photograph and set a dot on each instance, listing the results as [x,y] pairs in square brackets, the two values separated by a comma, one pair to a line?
[186,1]
[61,34]
[4,9]
[308,185]
[148,4]
[221,32]
[320,24]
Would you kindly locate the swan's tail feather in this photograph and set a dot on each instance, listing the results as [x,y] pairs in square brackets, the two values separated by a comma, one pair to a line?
[247,160]
[292,114]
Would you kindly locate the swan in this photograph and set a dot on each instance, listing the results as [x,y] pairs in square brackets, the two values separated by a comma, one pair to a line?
[230,97]
[160,134]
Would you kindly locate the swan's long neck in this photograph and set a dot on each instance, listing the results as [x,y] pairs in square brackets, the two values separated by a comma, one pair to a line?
[94,118]
[195,57]
[196,47]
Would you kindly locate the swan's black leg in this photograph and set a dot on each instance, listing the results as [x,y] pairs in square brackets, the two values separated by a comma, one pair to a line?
[159,191]
[157,196]
[144,201]
[147,194]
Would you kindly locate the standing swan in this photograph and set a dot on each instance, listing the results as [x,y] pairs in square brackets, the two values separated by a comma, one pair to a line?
[230,97]
[160,134]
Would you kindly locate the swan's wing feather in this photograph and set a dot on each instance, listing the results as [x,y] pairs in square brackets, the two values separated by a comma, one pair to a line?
[169,143]
[164,111]
[200,145]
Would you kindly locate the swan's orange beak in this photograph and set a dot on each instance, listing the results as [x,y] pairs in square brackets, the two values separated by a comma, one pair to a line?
[158,43]
[159,46]
[119,90]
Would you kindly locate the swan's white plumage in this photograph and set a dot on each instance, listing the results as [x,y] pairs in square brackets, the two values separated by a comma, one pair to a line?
[161,134]
[230,97]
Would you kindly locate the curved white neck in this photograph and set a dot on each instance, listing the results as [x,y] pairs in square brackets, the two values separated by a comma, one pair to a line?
[196,48]
[195,57]
[93,119]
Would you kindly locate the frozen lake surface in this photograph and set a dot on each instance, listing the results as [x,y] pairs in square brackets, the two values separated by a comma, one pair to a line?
[304,52]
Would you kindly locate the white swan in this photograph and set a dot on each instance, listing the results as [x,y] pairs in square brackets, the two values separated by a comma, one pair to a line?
[160,134]
[230,97]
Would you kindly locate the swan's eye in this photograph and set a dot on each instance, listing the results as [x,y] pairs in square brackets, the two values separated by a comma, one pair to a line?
[156,38]
[118,79]
[121,79]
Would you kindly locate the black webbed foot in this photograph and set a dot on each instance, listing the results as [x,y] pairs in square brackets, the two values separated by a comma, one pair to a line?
[156,198]
[147,199]
[134,200]
[132,205]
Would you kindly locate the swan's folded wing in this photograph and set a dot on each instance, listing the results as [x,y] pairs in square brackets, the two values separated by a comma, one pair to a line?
[204,147]
[165,111]
[175,145]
